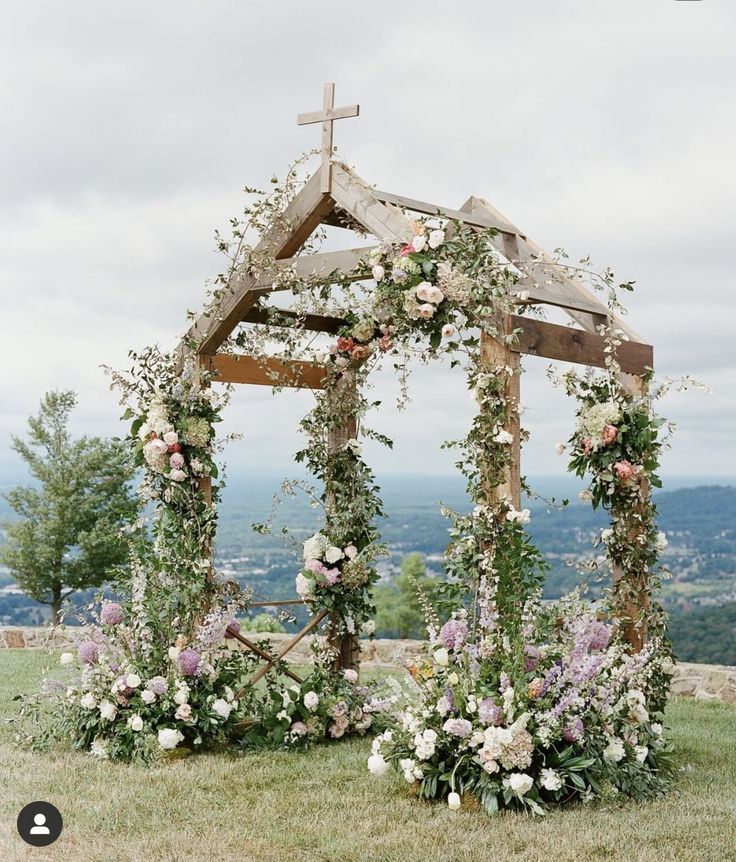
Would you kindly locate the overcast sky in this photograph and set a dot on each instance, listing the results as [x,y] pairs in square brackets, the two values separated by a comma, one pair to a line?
[129,130]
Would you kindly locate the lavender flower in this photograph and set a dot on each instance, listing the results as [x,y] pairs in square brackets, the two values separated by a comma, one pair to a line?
[233,628]
[600,635]
[454,633]
[489,712]
[533,656]
[111,614]
[89,652]
[574,730]
[189,662]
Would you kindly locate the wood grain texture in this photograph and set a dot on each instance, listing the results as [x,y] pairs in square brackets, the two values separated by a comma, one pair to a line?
[539,338]
[356,197]
[268,371]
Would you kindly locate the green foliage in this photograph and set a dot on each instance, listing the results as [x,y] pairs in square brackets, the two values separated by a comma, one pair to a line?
[399,611]
[262,623]
[67,536]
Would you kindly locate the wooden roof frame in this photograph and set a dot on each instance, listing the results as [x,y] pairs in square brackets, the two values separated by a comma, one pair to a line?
[352,201]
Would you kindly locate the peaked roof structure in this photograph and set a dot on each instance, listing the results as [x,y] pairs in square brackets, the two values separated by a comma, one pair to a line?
[336,195]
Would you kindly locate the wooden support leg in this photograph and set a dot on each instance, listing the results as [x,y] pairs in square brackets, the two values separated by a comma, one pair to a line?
[494,354]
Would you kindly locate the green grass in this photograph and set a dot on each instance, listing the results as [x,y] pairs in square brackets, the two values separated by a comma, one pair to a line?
[323,805]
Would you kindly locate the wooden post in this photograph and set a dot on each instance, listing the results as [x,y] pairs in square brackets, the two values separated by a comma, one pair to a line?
[493,354]
[634,584]
[343,390]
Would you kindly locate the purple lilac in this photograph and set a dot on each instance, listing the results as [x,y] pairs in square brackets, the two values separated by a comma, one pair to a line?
[600,636]
[233,628]
[454,633]
[111,614]
[89,652]
[189,662]
[533,655]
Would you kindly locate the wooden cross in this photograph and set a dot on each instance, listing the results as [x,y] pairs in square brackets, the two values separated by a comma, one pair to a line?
[327,117]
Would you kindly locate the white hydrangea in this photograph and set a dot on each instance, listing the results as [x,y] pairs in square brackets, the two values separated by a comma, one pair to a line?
[304,587]
[614,751]
[315,546]
[595,418]
[412,772]
[550,780]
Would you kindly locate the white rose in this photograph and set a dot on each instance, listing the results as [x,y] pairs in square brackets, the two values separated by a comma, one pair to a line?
[222,708]
[550,780]
[502,436]
[169,738]
[419,242]
[350,675]
[656,728]
[183,712]
[641,752]
[144,431]
[177,475]
[448,330]
[108,710]
[135,722]
[303,587]
[441,657]
[427,310]
[519,782]
[88,701]
[311,700]
[132,680]
[171,438]
[435,295]
[377,764]
[422,291]
[436,238]
[453,801]
[314,547]
[369,627]
[174,653]
[351,552]
[522,517]
[181,695]
[378,272]
[333,554]
[560,448]
[614,751]
[148,696]
[66,658]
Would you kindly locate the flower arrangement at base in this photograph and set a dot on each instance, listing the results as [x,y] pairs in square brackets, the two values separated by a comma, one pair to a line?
[141,698]
[562,714]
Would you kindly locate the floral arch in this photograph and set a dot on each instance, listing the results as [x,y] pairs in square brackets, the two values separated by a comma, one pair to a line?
[518,704]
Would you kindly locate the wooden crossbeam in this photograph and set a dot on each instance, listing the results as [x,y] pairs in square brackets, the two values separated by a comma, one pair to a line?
[253,647]
[288,647]
[474,219]
[284,317]
[299,219]
[539,338]
[350,263]
[266,371]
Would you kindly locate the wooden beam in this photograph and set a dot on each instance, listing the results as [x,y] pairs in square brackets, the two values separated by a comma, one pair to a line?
[357,198]
[539,338]
[253,647]
[474,219]
[313,623]
[350,263]
[283,317]
[298,221]
[266,371]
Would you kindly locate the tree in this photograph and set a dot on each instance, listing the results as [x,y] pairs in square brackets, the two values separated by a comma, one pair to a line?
[398,611]
[67,534]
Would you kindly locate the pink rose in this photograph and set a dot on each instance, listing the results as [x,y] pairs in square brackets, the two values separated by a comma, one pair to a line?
[407,249]
[332,576]
[176,461]
[587,445]
[315,566]
[625,470]
[609,435]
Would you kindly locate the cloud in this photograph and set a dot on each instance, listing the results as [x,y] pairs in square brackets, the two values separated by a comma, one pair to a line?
[129,132]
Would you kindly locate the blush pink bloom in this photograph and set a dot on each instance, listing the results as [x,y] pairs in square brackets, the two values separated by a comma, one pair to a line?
[625,470]
[176,461]
[332,576]
[407,249]
[609,435]
[315,566]
[587,445]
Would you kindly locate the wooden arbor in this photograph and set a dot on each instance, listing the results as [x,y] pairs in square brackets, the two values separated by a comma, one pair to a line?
[335,195]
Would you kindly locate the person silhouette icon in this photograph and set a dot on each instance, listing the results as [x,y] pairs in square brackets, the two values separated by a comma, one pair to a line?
[40,828]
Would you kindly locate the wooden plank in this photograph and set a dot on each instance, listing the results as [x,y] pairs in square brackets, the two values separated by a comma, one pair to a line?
[470,218]
[309,117]
[300,218]
[253,647]
[350,262]
[276,604]
[267,371]
[494,353]
[284,317]
[313,623]
[539,338]
[356,197]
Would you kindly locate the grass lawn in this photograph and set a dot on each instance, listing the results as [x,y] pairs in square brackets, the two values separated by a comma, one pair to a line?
[323,805]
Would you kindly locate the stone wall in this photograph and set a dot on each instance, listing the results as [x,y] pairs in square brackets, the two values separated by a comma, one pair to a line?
[702,681]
